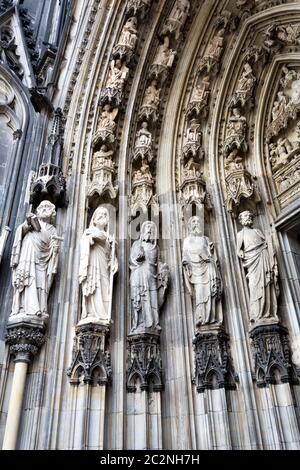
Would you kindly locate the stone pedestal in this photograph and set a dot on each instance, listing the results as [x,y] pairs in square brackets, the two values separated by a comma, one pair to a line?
[213,363]
[90,358]
[144,362]
[272,356]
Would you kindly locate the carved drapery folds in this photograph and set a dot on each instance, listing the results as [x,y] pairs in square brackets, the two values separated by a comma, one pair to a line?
[270,345]
[98,265]
[125,47]
[213,364]
[148,286]
[34,262]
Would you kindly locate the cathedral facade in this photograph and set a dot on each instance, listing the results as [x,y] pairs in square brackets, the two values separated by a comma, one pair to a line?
[150,224]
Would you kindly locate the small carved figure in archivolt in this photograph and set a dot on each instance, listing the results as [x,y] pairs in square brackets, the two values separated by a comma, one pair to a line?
[236,133]
[244,90]
[163,60]
[143,143]
[149,108]
[177,18]
[213,53]
[199,100]
[128,39]
[106,126]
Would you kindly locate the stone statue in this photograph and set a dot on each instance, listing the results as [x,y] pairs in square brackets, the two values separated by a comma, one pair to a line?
[149,280]
[245,86]
[193,133]
[279,105]
[164,56]
[117,75]
[107,119]
[213,53]
[177,18]
[236,132]
[128,36]
[202,275]
[98,264]
[34,262]
[152,95]
[143,143]
[260,263]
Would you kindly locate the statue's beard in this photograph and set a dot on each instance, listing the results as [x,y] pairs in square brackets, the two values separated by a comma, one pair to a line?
[196,231]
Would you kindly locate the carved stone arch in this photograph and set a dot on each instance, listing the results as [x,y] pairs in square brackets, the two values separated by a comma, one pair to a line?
[16,109]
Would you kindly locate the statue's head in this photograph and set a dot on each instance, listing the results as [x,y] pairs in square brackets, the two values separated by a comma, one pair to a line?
[144,125]
[148,232]
[132,21]
[246,218]
[194,226]
[46,211]
[100,218]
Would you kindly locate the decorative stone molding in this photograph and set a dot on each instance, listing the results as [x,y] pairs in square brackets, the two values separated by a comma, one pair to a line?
[213,362]
[90,356]
[144,362]
[25,338]
[272,356]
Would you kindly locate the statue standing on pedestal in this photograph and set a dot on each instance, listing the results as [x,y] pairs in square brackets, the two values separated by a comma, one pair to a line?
[202,275]
[260,263]
[98,264]
[34,262]
[148,282]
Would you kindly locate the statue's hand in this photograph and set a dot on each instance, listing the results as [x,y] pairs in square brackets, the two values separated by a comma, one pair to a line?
[140,257]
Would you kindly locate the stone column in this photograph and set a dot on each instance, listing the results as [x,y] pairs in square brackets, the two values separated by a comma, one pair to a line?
[90,368]
[144,383]
[24,339]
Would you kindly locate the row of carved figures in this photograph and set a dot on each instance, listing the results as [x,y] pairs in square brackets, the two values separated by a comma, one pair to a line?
[143,161]
[35,257]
